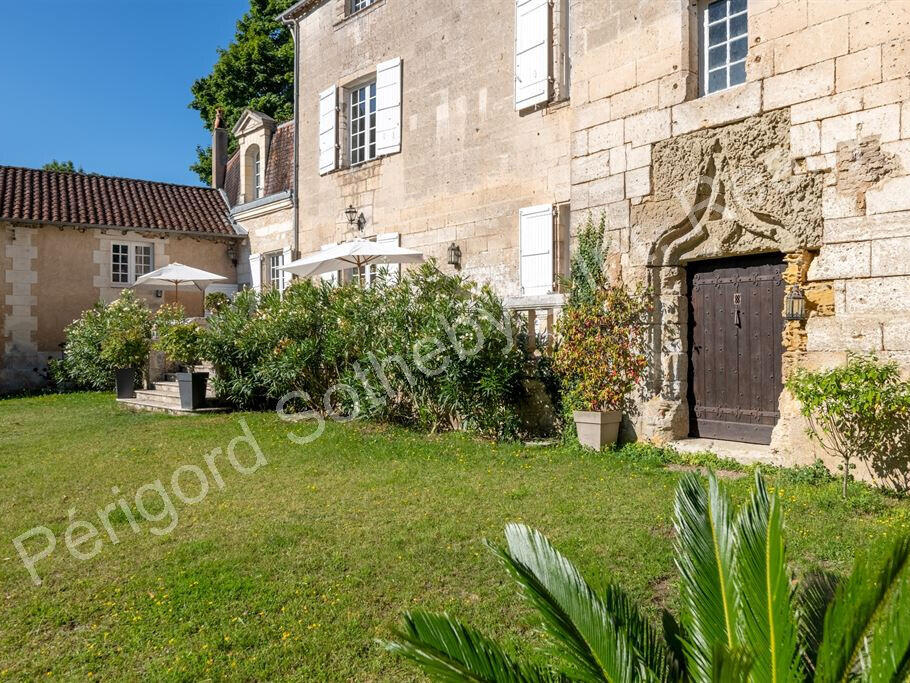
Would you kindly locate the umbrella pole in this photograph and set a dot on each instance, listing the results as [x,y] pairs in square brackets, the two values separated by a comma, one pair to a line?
[176,293]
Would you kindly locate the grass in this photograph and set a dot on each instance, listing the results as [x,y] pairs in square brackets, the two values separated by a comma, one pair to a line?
[293,571]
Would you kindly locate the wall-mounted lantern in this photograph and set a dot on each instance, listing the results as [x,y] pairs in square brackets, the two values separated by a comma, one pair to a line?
[454,255]
[795,304]
[232,254]
[355,218]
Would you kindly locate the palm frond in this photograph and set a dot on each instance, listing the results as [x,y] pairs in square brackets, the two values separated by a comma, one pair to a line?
[816,591]
[729,666]
[576,620]
[704,557]
[451,652]
[765,599]
[641,633]
[887,655]
[673,640]
[858,606]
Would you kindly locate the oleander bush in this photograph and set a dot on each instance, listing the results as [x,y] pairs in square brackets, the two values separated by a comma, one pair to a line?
[104,339]
[175,336]
[428,350]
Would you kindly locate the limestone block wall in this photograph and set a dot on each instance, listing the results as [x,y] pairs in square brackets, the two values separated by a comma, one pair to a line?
[468,162]
[52,274]
[809,158]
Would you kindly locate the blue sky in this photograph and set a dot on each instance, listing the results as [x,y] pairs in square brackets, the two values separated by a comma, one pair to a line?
[106,83]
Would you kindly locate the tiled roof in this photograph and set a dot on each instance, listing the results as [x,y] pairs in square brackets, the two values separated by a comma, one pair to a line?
[33,195]
[279,176]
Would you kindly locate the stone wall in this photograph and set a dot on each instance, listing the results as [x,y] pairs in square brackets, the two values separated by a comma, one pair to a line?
[809,157]
[51,275]
[468,160]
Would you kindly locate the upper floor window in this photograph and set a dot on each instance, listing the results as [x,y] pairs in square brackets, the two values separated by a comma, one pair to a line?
[363,123]
[130,261]
[724,45]
[357,5]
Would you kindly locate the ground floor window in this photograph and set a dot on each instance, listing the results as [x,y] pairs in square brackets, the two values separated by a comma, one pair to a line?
[274,274]
[131,260]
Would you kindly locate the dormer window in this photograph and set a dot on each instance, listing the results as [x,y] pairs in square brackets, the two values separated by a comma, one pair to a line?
[252,175]
[357,5]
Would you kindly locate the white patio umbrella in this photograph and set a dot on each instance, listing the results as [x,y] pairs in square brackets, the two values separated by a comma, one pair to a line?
[179,275]
[354,254]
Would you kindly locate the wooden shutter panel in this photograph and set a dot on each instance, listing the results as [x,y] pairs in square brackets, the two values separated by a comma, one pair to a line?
[532,53]
[331,278]
[393,269]
[536,248]
[256,271]
[328,130]
[388,107]
[285,275]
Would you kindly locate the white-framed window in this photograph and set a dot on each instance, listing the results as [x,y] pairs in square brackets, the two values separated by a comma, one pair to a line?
[363,123]
[274,263]
[724,44]
[257,175]
[131,260]
[357,5]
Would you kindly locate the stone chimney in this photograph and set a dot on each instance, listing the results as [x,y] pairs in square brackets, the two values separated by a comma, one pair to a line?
[219,151]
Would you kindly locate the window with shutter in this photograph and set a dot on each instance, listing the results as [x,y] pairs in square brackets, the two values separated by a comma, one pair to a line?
[393,269]
[536,249]
[286,277]
[532,53]
[388,107]
[328,127]
[256,271]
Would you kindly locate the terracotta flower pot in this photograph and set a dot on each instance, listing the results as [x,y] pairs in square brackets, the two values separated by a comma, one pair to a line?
[597,429]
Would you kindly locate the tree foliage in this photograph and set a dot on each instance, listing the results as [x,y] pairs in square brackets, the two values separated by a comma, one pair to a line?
[741,617]
[62,167]
[255,70]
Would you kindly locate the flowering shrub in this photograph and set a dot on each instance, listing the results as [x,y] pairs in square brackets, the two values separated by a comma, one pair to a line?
[601,353]
[176,337]
[102,340]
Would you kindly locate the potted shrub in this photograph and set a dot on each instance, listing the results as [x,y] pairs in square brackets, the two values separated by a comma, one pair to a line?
[215,302]
[601,360]
[179,340]
[127,340]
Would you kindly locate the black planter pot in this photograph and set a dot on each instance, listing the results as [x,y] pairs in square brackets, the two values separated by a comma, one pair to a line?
[126,382]
[192,389]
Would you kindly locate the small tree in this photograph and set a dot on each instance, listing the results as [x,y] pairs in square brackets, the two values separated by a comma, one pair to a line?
[127,333]
[854,411]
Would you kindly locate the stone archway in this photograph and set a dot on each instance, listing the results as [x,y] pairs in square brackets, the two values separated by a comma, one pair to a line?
[718,193]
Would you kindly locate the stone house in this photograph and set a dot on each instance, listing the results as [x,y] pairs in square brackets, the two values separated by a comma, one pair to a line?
[68,240]
[739,150]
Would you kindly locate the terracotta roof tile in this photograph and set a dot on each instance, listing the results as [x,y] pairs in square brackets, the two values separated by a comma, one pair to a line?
[28,194]
[280,171]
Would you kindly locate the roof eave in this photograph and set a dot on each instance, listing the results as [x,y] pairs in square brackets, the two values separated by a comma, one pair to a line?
[290,15]
[122,228]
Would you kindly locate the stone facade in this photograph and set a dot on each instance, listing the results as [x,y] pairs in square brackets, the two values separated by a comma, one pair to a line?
[53,274]
[809,158]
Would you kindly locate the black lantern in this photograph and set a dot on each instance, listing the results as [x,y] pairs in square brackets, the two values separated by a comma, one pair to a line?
[454,255]
[232,254]
[351,213]
[795,304]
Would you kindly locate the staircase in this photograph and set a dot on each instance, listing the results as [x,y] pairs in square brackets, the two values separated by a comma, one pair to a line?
[165,397]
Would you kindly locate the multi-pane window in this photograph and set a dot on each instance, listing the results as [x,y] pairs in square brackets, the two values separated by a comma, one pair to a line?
[357,5]
[363,123]
[275,274]
[257,176]
[725,44]
[130,261]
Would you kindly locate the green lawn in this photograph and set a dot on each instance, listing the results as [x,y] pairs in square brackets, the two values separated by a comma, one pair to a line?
[294,570]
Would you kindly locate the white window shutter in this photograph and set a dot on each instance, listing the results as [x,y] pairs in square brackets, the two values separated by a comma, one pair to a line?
[331,278]
[532,53]
[536,248]
[286,258]
[388,107]
[393,269]
[256,271]
[328,130]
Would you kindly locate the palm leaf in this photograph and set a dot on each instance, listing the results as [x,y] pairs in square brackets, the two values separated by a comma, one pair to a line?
[730,666]
[887,656]
[816,591]
[860,603]
[575,618]
[704,557]
[674,639]
[767,620]
[643,636]
[448,651]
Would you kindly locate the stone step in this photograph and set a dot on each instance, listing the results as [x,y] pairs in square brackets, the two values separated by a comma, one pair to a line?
[167,388]
[138,405]
[165,400]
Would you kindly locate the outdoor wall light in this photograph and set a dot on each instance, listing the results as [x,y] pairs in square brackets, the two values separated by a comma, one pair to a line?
[232,254]
[454,253]
[795,304]
[355,218]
